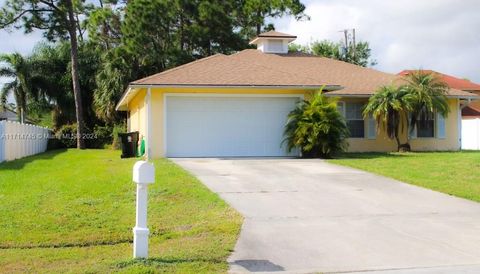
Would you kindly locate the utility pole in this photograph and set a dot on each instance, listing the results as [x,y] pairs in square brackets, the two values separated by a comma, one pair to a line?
[345,32]
[354,45]
[350,42]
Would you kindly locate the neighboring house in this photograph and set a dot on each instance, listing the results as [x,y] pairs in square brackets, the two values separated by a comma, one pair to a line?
[237,105]
[8,115]
[470,111]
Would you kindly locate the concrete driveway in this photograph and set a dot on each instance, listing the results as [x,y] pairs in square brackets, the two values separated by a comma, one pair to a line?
[309,215]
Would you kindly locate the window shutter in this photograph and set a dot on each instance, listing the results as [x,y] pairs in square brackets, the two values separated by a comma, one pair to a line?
[441,132]
[411,133]
[341,108]
[372,127]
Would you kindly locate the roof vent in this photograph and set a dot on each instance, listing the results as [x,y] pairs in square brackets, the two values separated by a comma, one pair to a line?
[273,42]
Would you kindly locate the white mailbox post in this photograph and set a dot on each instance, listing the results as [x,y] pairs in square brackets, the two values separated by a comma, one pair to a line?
[143,175]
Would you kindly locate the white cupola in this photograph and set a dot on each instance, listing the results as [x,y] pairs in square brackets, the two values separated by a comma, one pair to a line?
[273,42]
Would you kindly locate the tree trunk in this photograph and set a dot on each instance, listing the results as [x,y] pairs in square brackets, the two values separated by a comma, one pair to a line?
[18,107]
[399,145]
[72,25]
[259,26]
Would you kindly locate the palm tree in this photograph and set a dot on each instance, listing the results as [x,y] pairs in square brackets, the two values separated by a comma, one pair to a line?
[316,128]
[55,83]
[16,67]
[429,95]
[110,82]
[390,106]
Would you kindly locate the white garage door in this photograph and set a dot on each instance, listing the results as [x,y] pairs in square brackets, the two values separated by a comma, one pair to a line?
[206,126]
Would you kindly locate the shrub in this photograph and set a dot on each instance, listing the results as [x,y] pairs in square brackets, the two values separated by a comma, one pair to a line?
[67,135]
[118,128]
[54,142]
[316,128]
[100,137]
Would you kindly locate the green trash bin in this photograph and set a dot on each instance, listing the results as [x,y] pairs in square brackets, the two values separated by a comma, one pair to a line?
[141,150]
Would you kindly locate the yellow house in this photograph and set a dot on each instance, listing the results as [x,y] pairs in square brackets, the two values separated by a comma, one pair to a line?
[237,105]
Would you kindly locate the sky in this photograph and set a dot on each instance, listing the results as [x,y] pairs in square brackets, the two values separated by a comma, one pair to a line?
[442,35]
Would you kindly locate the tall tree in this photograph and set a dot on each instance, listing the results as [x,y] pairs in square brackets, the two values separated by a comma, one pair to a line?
[253,13]
[149,43]
[104,24]
[53,61]
[359,54]
[111,79]
[72,31]
[58,19]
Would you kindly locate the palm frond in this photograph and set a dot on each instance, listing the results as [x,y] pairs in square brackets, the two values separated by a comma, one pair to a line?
[429,95]
[6,72]
[316,127]
[6,90]
[388,107]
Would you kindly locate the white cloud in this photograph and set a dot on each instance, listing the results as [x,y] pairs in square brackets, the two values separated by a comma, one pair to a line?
[442,35]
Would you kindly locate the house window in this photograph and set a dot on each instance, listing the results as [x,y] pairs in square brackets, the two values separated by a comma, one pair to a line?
[355,122]
[426,125]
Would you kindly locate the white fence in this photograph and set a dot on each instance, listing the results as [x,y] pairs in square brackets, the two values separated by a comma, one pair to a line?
[21,140]
[471,134]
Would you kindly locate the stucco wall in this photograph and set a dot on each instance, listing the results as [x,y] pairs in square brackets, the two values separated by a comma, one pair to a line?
[382,143]
[138,115]
[452,140]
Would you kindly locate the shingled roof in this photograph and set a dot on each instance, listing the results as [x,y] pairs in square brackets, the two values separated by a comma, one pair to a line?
[239,69]
[253,68]
[471,111]
[453,82]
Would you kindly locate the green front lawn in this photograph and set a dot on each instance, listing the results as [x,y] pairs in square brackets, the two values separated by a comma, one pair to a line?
[73,211]
[455,173]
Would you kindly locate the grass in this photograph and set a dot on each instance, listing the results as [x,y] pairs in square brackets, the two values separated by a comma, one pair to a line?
[454,173]
[73,211]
